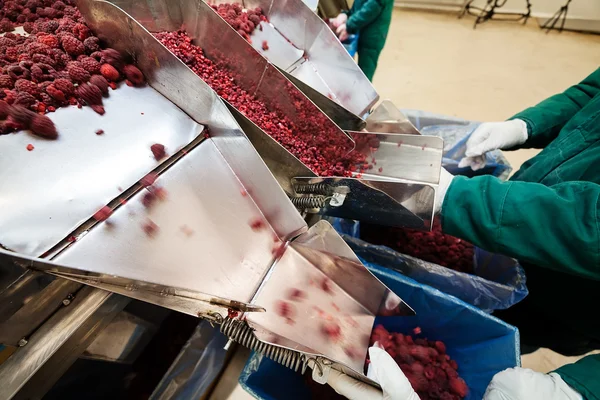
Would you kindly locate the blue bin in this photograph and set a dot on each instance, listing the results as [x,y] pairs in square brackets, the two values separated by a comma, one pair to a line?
[482,345]
[351,44]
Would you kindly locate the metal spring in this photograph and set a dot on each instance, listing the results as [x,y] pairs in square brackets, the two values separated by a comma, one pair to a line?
[314,188]
[309,202]
[241,332]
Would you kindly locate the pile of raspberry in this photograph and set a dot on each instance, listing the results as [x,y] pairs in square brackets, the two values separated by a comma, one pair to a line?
[430,371]
[434,246]
[59,63]
[315,140]
[243,21]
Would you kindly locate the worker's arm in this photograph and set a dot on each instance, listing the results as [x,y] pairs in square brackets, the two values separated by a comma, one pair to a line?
[556,227]
[583,376]
[545,120]
[358,18]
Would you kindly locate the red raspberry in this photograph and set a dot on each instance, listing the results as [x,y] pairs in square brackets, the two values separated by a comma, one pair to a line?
[23,85]
[134,75]
[150,228]
[148,199]
[21,115]
[102,214]
[90,94]
[331,330]
[257,224]
[6,26]
[25,99]
[458,386]
[72,45]
[100,132]
[158,150]
[101,82]
[109,72]
[30,147]
[42,59]
[417,330]
[28,27]
[11,54]
[265,45]
[58,5]
[326,285]
[78,74]
[48,39]
[43,126]
[6,82]
[285,309]
[4,109]
[112,57]
[90,65]
[420,352]
[440,346]
[81,31]
[65,86]
[92,44]
[296,295]
[98,109]
[55,93]
[6,42]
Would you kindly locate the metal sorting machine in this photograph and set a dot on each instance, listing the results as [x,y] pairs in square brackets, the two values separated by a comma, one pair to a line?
[228,238]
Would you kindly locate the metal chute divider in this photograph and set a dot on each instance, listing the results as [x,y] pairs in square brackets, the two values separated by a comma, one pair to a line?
[302,45]
[203,253]
[256,75]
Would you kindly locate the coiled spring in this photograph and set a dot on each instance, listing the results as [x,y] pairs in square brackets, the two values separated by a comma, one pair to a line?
[242,333]
[314,188]
[309,202]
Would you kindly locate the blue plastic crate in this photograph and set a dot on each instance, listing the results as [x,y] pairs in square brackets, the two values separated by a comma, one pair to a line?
[481,344]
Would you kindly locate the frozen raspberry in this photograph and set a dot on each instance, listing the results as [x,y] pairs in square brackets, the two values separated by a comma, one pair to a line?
[102,214]
[158,150]
[72,45]
[150,228]
[296,295]
[6,26]
[30,147]
[43,126]
[4,41]
[458,386]
[98,109]
[112,57]
[28,27]
[81,31]
[265,45]
[285,309]
[11,54]
[92,44]
[25,99]
[4,109]
[78,74]
[48,39]
[42,72]
[58,5]
[440,346]
[90,65]
[134,75]
[101,82]
[41,59]
[23,85]
[65,86]
[100,132]
[17,72]
[109,72]
[331,330]
[90,94]
[6,82]
[55,93]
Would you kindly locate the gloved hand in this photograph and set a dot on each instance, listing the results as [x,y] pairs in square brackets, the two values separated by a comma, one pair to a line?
[337,21]
[493,136]
[524,384]
[383,370]
[342,33]
[445,181]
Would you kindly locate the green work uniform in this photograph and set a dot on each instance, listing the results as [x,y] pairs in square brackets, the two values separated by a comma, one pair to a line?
[548,217]
[371,20]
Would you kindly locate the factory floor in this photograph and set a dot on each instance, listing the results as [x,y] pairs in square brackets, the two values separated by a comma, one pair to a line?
[438,63]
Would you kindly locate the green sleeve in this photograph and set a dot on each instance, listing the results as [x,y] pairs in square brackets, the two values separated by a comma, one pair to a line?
[363,16]
[583,376]
[555,227]
[545,120]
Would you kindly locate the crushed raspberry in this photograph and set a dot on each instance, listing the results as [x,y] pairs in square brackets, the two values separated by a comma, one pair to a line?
[150,228]
[257,224]
[417,331]
[100,132]
[331,330]
[30,147]
[232,313]
[148,199]
[285,309]
[296,295]
[102,214]
[326,285]
[158,150]
[187,231]
[265,45]
[149,179]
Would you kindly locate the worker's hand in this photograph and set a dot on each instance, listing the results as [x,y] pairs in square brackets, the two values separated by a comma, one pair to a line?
[493,136]
[383,370]
[342,33]
[337,21]
[524,384]
[445,181]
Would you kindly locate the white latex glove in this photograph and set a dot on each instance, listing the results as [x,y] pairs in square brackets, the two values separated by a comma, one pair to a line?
[342,32]
[445,181]
[493,136]
[525,384]
[339,20]
[383,370]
